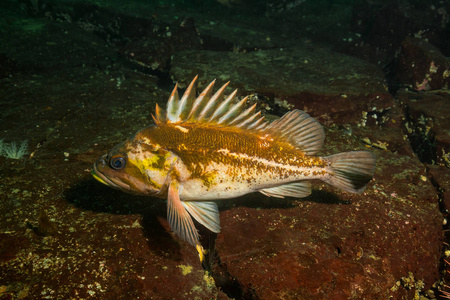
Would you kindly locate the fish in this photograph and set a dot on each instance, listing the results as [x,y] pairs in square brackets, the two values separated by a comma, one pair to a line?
[211,147]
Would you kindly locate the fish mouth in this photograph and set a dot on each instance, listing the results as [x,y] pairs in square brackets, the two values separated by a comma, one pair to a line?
[98,176]
[129,185]
[111,182]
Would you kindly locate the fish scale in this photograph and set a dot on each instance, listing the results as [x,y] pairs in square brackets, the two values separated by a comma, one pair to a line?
[199,139]
[210,147]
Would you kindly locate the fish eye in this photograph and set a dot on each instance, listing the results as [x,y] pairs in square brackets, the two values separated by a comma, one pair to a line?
[117,163]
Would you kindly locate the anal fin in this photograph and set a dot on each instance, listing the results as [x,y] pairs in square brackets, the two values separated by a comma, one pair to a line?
[297,189]
[206,213]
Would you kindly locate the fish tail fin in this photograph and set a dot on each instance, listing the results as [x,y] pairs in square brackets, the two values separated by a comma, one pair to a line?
[351,171]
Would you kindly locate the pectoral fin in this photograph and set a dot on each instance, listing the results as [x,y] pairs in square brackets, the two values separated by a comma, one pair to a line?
[179,219]
[206,213]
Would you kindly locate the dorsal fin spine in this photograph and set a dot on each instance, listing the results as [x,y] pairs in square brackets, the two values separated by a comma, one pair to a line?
[172,104]
[201,100]
[186,100]
[217,110]
[222,109]
[263,126]
[212,102]
[160,114]
[231,112]
[249,120]
[256,123]
[244,114]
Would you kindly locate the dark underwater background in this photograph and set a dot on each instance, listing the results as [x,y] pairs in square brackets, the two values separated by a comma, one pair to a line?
[78,77]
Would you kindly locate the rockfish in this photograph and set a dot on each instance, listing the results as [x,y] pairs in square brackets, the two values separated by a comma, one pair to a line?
[207,148]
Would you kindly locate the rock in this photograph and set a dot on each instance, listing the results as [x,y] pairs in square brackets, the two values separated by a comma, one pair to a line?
[324,83]
[441,179]
[422,66]
[148,42]
[382,26]
[154,50]
[427,125]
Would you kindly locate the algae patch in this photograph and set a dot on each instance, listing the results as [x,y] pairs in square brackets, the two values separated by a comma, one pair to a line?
[185,269]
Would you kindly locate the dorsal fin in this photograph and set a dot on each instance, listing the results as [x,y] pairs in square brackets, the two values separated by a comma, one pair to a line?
[208,108]
[300,129]
[296,126]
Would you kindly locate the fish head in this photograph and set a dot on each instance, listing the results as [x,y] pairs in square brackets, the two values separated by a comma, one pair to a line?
[135,166]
